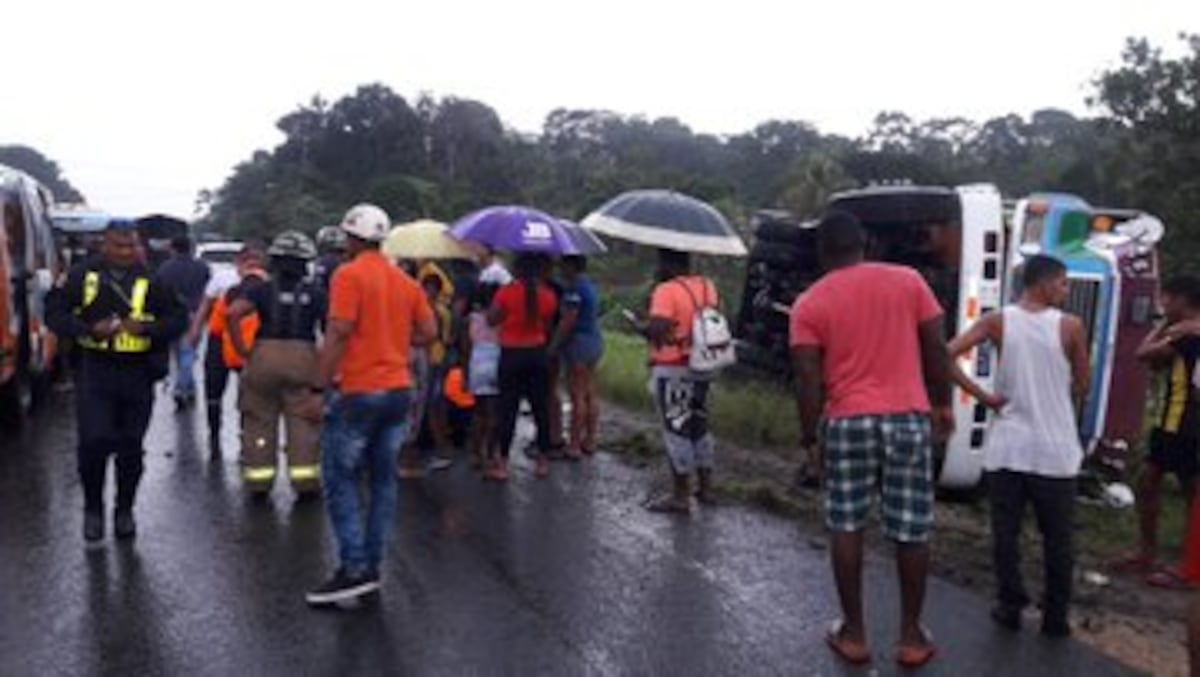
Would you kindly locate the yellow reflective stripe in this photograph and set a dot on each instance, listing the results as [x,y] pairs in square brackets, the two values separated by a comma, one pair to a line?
[91,287]
[258,474]
[91,343]
[122,342]
[137,301]
[305,472]
[1178,395]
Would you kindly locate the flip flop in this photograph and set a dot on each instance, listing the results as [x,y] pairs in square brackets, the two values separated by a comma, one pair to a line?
[668,506]
[1170,579]
[854,653]
[912,657]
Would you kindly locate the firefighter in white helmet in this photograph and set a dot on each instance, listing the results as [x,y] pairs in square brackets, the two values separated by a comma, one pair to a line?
[281,367]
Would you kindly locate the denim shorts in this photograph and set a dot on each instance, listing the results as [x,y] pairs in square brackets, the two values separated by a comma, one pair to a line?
[584,349]
[485,369]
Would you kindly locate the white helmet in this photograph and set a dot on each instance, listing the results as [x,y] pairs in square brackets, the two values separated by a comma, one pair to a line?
[368,222]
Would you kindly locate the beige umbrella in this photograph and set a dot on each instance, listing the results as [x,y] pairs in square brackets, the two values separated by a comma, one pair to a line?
[424,240]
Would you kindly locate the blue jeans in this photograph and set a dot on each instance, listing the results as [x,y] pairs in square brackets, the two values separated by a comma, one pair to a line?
[185,362]
[362,432]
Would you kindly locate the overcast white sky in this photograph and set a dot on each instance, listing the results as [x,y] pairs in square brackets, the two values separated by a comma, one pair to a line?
[145,103]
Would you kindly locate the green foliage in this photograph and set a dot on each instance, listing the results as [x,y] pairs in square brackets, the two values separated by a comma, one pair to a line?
[443,158]
[1153,106]
[622,375]
[41,168]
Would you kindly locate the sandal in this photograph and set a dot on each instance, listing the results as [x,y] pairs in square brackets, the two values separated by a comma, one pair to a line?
[669,505]
[1170,578]
[911,657]
[497,470]
[851,651]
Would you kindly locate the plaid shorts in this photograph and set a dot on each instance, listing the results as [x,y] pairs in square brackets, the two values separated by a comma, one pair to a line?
[893,453]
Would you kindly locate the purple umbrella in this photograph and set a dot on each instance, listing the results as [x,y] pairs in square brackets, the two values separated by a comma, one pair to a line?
[516,229]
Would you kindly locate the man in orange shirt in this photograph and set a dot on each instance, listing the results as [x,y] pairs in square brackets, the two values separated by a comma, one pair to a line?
[375,310]
[681,395]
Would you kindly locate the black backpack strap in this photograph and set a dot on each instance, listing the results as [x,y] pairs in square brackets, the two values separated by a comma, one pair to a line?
[276,309]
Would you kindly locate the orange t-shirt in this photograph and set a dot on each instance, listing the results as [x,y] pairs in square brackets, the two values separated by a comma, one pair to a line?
[384,304]
[671,301]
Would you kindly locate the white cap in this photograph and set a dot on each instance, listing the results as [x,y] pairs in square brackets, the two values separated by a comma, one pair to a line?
[368,222]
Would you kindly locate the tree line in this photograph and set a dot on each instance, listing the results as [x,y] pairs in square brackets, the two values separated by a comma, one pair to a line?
[441,157]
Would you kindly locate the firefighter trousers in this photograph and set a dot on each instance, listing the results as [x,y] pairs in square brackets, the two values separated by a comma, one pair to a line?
[275,384]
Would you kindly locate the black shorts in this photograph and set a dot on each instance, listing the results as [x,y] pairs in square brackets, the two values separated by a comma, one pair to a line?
[1174,453]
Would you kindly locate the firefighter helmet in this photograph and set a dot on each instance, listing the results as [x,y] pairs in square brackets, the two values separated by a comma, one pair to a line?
[293,243]
[331,239]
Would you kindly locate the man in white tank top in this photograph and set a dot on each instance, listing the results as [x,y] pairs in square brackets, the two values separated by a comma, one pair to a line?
[1033,452]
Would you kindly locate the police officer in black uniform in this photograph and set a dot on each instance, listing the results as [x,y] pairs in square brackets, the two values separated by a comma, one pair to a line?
[122,320]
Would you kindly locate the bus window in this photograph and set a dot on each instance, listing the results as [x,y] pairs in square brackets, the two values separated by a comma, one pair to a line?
[1035,225]
[1074,229]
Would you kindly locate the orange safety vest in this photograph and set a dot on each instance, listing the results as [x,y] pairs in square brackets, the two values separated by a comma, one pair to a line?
[218,325]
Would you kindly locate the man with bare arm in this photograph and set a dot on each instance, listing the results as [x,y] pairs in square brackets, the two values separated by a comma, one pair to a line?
[1033,452]
[870,356]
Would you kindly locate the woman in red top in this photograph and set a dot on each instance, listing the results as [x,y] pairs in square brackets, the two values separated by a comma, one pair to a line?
[522,312]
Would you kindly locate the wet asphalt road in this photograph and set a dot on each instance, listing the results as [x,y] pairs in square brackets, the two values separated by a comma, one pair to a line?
[561,577]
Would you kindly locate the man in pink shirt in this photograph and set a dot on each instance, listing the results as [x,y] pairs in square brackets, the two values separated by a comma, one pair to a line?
[869,356]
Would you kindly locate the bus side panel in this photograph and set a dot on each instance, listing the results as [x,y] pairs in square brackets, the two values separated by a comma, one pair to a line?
[980,279]
[1130,377]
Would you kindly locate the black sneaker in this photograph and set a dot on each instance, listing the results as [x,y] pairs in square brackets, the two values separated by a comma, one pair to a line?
[93,527]
[1007,617]
[124,526]
[1055,628]
[342,587]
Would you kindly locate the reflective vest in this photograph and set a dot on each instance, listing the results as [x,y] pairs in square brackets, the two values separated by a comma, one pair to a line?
[122,342]
[247,327]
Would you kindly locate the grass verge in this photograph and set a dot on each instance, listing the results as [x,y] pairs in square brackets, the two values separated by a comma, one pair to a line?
[748,413]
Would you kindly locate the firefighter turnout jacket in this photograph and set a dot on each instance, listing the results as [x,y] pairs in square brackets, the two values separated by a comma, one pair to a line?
[276,384]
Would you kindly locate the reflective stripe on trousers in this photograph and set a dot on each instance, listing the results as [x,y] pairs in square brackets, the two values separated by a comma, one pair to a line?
[258,474]
[304,472]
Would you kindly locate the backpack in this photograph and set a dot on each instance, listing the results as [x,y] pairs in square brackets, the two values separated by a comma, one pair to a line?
[712,346]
